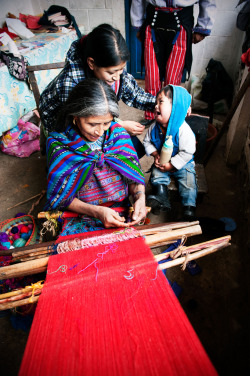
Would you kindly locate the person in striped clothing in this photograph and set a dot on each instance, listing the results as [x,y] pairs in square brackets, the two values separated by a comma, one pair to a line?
[93,167]
[103,54]
[165,28]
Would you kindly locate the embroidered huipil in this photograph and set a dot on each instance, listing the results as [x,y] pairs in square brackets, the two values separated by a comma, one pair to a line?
[105,185]
[98,173]
[205,18]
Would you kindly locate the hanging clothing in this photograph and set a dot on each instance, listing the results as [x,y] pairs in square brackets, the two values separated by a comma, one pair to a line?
[166,33]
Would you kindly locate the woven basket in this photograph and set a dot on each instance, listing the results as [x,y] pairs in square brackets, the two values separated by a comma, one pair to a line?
[7,225]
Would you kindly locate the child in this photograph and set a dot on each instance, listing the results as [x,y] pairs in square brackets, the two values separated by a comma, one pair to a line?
[172,106]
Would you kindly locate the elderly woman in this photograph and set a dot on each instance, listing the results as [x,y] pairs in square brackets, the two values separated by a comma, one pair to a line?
[92,165]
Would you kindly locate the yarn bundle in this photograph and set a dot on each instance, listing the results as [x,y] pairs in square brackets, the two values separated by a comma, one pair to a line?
[17,232]
[17,237]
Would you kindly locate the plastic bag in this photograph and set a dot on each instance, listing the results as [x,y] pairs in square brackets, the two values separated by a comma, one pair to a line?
[217,84]
[195,91]
[22,140]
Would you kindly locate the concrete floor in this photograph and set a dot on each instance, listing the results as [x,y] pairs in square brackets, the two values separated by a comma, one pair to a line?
[216,301]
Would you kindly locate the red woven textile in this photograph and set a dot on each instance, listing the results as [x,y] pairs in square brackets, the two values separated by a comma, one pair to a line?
[108,311]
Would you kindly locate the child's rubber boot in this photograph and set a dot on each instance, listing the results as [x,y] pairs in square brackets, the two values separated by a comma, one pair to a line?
[189,213]
[159,200]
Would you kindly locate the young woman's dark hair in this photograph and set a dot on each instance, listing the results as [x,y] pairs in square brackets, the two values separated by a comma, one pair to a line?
[105,45]
[91,97]
[168,91]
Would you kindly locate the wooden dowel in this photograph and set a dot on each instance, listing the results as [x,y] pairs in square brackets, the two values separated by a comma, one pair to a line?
[39,265]
[20,296]
[36,257]
[173,234]
[24,268]
[194,256]
[16,292]
[18,303]
[163,266]
[166,227]
[194,248]
[32,254]
[28,199]
[145,230]
[52,215]
[32,248]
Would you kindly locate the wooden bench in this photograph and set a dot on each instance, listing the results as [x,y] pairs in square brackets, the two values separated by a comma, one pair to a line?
[200,177]
[199,125]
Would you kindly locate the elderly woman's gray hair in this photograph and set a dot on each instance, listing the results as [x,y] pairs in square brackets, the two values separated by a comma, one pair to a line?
[91,97]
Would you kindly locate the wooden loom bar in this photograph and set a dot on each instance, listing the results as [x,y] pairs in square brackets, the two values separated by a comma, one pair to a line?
[193,248]
[39,265]
[144,230]
[151,240]
[24,268]
[194,256]
[15,298]
[18,303]
[18,296]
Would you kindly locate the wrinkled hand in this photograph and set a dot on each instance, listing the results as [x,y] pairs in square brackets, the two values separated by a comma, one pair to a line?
[197,37]
[140,210]
[110,218]
[133,127]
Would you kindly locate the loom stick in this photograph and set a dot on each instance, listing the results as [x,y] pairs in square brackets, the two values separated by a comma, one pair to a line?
[163,266]
[37,257]
[32,254]
[18,303]
[32,248]
[19,297]
[165,227]
[24,268]
[194,256]
[144,230]
[39,265]
[16,292]
[194,248]
[172,235]
[29,199]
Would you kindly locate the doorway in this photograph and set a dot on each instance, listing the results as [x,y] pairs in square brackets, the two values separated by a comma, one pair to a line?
[134,45]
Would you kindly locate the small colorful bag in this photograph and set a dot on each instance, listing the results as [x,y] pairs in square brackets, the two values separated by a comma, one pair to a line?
[22,140]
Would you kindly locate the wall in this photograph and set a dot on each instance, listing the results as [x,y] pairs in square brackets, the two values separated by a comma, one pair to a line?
[88,13]
[224,43]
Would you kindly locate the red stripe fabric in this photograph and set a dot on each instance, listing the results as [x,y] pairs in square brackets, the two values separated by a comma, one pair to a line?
[109,311]
[174,67]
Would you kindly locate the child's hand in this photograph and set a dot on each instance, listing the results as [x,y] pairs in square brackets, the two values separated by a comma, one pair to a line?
[156,160]
[165,167]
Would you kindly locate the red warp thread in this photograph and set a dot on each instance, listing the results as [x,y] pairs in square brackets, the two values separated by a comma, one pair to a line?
[111,313]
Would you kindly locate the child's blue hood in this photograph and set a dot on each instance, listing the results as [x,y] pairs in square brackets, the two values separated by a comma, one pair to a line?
[180,104]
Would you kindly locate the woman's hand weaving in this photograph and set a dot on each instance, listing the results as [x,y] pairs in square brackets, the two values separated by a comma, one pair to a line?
[110,218]
[140,211]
